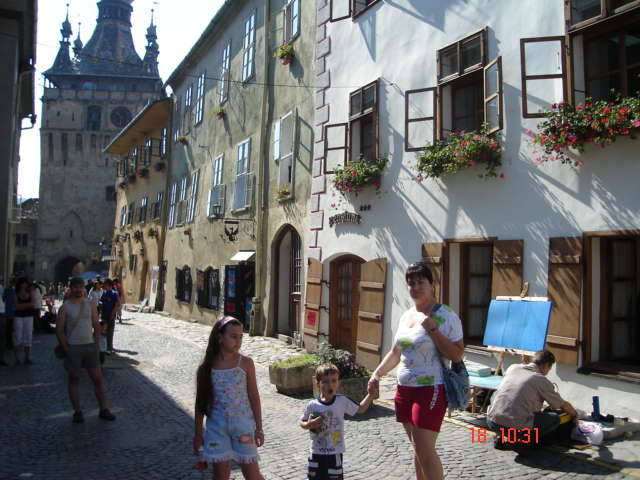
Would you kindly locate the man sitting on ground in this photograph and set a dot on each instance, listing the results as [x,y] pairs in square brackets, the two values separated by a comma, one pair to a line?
[517,403]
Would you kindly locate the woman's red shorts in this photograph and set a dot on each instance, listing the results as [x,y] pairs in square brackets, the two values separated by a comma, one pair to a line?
[424,407]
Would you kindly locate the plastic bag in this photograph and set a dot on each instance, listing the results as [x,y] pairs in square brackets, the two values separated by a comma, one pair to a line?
[588,432]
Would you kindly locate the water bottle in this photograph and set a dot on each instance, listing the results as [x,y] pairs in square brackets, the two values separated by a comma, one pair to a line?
[595,415]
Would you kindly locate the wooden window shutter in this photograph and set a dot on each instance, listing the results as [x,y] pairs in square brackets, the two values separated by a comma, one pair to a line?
[506,276]
[371,312]
[433,254]
[312,304]
[565,291]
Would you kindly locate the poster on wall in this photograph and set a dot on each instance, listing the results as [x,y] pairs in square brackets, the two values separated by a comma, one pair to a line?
[231,283]
[312,318]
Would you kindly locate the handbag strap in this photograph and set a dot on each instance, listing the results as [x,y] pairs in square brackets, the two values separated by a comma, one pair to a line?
[77,319]
[435,308]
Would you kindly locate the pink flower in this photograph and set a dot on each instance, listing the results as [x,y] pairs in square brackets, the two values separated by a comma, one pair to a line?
[529,133]
[502,175]
[579,163]
[419,178]
[472,163]
[635,123]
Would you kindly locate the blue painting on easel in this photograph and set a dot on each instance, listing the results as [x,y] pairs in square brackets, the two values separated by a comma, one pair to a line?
[518,324]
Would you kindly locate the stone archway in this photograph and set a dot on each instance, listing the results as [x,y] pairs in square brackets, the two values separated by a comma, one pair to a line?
[287,284]
[67,267]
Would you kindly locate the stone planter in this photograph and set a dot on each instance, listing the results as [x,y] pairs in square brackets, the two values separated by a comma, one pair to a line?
[354,388]
[292,380]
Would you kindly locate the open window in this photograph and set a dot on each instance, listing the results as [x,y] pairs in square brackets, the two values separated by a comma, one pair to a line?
[249,47]
[285,136]
[469,88]
[193,197]
[199,113]
[225,68]
[604,37]
[217,192]
[341,9]
[142,211]
[291,20]
[243,182]
[336,139]
[363,123]
[544,78]
[419,118]
[187,111]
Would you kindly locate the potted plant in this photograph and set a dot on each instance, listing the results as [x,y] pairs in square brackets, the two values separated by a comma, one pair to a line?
[220,112]
[152,232]
[183,140]
[355,175]
[459,151]
[285,53]
[137,235]
[291,375]
[353,376]
[132,178]
[187,231]
[159,166]
[144,172]
[283,193]
[569,128]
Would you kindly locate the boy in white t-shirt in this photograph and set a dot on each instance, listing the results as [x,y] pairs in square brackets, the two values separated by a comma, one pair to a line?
[324,418]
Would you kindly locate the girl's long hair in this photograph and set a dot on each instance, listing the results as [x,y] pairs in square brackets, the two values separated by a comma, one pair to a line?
[204,387]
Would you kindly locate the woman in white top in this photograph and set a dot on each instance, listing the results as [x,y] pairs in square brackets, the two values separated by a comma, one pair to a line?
[425,332]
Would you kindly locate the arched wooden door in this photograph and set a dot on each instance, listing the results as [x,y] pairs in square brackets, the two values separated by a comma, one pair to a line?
[287,285]
[345,300]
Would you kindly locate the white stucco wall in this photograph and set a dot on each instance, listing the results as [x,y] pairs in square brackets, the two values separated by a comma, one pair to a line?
[396,42]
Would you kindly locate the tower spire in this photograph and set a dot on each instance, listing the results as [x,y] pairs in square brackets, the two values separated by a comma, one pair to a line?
[152,49]
[66,27]
[77,44]
[63,63]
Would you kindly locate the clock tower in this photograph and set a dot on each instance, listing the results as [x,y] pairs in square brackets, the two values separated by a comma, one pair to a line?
[88,98]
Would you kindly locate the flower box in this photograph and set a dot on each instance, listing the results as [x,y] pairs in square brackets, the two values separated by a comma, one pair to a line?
[458,152]
[283,193]
[568,128]
[355,175]
[144,172]
[159,166]
[132,178]
[292,380]
[183,140]
[220,113]
[285,53]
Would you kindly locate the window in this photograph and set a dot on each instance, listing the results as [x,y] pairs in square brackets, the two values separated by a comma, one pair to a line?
[133,161]
[217,192]
[177,117]
[475,289]
[292,20]
[199,100]
[225,64]
[94,112]
[164,137]
[22,240]
[183,284]
[358,139]
[123,215]
[94,142]
[64,146]
[208,288]
[284,145]
[78,142]
[50,146]
[543,74]
[242,186]
[171,221]
[603,51]
[157,206]
[188,110]
[122,167]
[215,204]
[193,197]
[341,9]
[181,204]
[142,211]
[148,152]
[130,212]
[133,261]
[249,47]
[110,193]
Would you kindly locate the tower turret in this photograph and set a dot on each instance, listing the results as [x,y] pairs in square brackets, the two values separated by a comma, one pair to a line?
[63,63]
[152,49]
[77,44]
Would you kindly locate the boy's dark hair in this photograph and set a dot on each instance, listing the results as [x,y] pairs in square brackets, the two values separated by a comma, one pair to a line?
[326,369]
[418,269]
[108,281]
[544,357]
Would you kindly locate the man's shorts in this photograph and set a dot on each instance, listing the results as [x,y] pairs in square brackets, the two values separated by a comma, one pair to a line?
[230,438]
[423,407]
[82,356]
[325,467]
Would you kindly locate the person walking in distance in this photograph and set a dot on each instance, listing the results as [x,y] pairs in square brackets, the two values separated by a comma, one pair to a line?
[110,305]
[36,295]
[78,332]
[23,321]
[118,288]
[227,395]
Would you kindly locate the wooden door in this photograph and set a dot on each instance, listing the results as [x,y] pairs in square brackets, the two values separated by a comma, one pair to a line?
[295,281]
[313,297]
[345,278]
[371,312]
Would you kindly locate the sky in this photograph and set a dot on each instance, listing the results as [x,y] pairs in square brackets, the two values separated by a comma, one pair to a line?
[179,23]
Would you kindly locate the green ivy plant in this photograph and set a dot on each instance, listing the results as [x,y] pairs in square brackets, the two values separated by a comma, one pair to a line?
[459,151]
[567,127]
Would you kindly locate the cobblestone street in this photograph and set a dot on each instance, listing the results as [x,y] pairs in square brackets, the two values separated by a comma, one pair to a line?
[151,390]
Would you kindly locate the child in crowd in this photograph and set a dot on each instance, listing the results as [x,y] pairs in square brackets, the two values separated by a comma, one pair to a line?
[324,418]
[227,395]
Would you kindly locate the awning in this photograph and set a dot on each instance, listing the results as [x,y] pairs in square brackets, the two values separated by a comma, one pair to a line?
[243,255]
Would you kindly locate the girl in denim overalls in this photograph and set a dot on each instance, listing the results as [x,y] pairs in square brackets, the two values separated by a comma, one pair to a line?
[227,394]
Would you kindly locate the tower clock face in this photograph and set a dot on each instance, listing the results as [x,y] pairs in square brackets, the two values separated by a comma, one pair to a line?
[120,116]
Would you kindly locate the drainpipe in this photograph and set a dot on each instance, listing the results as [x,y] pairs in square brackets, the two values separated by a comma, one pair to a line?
[258,320]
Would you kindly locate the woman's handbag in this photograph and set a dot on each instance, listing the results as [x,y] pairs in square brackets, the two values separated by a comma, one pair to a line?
[456,381]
